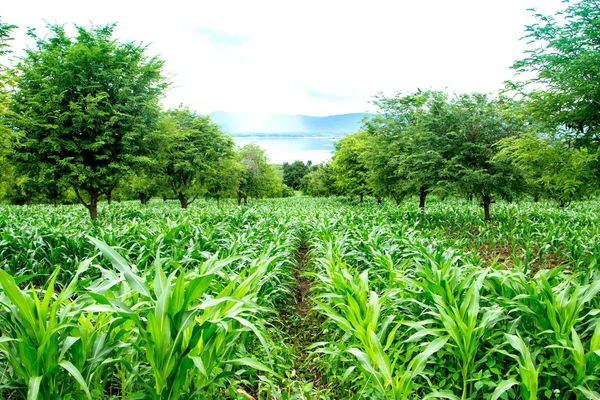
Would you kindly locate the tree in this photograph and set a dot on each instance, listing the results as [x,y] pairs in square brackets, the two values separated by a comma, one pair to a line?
[83,105]
[348,165]
[142,184]
[6,82]
[562,173]
[225,184]
[562,76]
[481,124]
[258,178]
[319,181]
[192,149]
[294,172]
[407,152]
[383,158]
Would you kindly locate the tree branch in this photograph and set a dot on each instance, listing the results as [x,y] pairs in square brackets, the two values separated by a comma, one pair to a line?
[80,198]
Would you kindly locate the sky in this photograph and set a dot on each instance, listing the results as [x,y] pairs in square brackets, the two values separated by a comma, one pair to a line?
[306,57]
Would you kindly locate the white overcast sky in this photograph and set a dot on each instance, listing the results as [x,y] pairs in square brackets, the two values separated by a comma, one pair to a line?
[307,57]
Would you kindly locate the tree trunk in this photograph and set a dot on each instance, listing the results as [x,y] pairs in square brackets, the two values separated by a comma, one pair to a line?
[397,200]
[470,197]
[379,201]
[28,201]
[239,201]
[362,197]
[422,197]
[93,206]
[164,198]
[245,199]
[487,200]
[109,197]
[183,200]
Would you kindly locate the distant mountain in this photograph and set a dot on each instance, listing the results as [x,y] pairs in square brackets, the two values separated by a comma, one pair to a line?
[233,123]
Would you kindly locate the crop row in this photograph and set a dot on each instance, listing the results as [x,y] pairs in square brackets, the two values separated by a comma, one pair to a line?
[195,303]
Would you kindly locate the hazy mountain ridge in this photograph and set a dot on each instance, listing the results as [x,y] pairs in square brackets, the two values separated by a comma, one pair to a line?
[246,123]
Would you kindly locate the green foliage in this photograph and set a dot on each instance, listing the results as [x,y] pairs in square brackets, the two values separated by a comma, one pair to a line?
[349,169]
[409,152]
[431,304]
[287,191]
[294,173]
[426,142]
[192,152]
[82,107]
[481,125]
[171,325]
[258,177]
[408,303]
[6,80]
[320,182]
[142,185]
[562,81]
[561,173]
[224,184]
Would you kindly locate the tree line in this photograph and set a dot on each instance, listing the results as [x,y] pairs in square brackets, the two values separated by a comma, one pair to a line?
[540,137]
[80,118]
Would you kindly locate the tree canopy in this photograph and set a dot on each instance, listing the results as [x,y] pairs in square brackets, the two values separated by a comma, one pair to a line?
[6,80]
[192,152]
[552,169]
[258,178]
[561,74]
[293,173]
[349,167]
[82,107]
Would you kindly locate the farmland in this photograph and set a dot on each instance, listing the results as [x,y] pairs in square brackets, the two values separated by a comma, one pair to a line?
[300,298]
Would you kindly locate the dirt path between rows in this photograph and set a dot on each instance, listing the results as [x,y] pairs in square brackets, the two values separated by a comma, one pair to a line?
[304,327]
[302,302]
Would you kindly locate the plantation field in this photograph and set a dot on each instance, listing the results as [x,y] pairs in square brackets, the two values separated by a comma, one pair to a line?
[300,298]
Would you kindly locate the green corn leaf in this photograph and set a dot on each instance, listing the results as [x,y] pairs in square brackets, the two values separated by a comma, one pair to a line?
[122,266]
[74,372]
[33,388]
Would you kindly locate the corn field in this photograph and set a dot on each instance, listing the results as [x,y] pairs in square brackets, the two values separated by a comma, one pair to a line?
[300,298]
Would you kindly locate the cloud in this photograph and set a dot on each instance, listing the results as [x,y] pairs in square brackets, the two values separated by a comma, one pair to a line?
[333,97]
[218,38]
[308,57]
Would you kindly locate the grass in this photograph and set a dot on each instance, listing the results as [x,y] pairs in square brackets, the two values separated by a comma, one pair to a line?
[300,298]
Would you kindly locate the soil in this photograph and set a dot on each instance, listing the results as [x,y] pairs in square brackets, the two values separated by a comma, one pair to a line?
[502,255]
[301,301]
[304,327]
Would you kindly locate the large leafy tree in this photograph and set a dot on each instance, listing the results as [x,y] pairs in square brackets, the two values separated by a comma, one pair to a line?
[562,78]
[83,105]
[191,153]
[408,151]
[349,167]
[481,123]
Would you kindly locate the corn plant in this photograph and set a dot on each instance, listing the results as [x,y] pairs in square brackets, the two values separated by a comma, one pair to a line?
[36,337]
